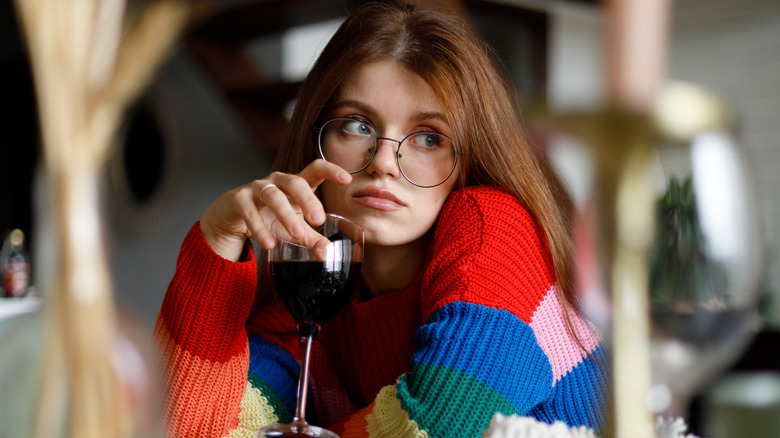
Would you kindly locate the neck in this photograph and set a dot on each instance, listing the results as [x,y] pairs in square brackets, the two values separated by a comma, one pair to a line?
[389,268]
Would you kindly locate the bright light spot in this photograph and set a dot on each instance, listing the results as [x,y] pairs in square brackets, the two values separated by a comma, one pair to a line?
[720,193]
[302,45]
[659,398]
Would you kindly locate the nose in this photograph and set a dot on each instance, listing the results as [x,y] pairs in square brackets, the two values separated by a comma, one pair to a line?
[384,161]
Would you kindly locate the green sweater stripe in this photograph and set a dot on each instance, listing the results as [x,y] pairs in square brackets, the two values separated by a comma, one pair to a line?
[455,404]
[276,402]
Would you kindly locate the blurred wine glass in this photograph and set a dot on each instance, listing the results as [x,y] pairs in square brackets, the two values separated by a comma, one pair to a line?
[691,223]
[705,260]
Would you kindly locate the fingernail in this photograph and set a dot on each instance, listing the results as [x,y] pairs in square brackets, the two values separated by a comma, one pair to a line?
[297,230]
[344,177]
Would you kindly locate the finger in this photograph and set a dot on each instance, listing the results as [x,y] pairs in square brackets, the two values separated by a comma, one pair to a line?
[261,234]
[296,230]
[297,192]
[316,242]
[286,195]
[300,188]
[246,202]
[266,187]
[320,170]
[316,173]
[274,204]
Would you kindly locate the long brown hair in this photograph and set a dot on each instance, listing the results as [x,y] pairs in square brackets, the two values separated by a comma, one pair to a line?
[480,103]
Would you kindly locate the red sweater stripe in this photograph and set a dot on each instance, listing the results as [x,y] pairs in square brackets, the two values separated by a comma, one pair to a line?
[208,393]
[225,304]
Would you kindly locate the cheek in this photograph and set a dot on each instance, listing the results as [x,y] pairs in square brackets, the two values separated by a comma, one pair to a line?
[434,203]
[331,195]
[443,191]
[430,207]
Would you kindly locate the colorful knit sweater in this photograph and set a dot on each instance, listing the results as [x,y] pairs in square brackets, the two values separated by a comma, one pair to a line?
[479,330]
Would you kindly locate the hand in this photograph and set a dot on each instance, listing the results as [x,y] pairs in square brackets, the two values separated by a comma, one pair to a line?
[247,211]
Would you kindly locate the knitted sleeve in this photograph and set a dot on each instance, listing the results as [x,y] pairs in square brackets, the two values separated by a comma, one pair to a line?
[495,339]
[211,390]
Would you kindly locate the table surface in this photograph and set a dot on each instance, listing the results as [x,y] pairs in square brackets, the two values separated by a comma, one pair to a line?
[19,306]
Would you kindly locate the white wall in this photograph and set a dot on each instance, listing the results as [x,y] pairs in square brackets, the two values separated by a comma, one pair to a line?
[212,153]
[576,57]
[733,46]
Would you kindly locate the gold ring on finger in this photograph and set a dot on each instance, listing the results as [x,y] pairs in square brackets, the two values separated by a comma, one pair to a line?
[266,188]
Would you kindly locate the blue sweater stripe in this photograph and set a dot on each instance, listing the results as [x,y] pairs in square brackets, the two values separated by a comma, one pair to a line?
[460,335]
[276,367]
[581,394]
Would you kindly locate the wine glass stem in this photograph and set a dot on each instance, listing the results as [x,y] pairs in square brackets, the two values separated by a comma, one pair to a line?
[303,379]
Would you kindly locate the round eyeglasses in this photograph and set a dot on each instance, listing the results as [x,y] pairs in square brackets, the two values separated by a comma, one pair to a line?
[426,158]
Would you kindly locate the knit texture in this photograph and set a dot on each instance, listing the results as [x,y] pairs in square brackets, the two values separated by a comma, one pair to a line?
[479,331]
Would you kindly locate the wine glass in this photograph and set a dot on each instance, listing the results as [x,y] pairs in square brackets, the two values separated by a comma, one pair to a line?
[314,284]
[705,264]
[670,207]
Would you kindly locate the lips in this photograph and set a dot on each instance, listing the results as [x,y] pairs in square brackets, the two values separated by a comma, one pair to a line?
[378,198]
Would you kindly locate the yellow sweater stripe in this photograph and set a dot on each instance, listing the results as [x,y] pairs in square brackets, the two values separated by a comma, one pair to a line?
[389,419]
[255,412]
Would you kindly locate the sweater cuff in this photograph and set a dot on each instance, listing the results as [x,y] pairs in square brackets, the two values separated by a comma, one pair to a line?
[209,299]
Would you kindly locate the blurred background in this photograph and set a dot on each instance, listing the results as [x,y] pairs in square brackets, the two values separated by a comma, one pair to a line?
[214,116]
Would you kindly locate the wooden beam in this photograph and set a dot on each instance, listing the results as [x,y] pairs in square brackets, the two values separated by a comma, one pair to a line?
[239,24]
[256,100]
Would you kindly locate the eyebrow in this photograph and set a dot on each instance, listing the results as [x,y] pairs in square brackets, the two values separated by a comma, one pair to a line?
[420,117]
[353,103]
[417,117]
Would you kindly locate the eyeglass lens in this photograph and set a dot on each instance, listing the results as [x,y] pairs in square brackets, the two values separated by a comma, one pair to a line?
[425,159]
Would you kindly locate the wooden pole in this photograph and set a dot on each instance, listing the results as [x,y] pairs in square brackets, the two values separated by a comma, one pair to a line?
[636,54]
[87,67]
[637,39]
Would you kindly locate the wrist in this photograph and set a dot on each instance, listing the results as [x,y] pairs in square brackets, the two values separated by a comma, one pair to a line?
[226,246]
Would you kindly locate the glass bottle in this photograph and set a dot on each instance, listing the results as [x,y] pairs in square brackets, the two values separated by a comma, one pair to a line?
[15,265]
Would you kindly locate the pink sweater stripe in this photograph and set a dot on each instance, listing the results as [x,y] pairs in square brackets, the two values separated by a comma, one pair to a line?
[555,339]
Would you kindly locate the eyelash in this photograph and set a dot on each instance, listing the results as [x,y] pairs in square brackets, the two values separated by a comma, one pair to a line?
[363,119]
[360,119]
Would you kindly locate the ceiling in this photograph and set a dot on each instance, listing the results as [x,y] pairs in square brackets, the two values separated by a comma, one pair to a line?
[222,31]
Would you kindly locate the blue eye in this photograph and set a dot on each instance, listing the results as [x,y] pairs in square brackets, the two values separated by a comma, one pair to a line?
[356,127]
[428,140]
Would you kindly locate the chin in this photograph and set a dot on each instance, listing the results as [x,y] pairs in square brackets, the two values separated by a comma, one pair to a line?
[395,235]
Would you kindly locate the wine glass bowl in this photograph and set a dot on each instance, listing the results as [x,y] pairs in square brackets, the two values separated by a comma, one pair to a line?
[705,259]
[667,245]
[314,282]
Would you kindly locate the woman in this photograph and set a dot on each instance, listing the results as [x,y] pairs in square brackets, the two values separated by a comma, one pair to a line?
[465,306]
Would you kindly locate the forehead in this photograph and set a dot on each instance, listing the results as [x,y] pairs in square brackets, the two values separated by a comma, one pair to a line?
[386,85]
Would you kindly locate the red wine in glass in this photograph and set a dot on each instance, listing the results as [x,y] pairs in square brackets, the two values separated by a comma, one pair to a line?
[314,285]
[314,291]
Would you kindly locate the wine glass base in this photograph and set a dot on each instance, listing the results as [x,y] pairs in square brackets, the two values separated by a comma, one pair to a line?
[296,430]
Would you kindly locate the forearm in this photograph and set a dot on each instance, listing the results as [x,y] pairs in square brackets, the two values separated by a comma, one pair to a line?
[201,339]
